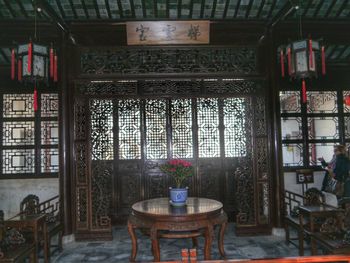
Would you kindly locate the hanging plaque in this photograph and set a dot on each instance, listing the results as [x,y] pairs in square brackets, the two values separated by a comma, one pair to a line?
[167,32]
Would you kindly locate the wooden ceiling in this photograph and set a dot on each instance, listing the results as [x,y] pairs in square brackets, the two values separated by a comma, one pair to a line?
[68,12]
[73,10]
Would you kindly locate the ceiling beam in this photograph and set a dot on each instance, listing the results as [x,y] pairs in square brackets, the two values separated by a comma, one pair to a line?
[53,15]
[249,8]
[226,9]
[272,8]
[109,10]
[58,3]
[237,7]
[341,8]
[305,9]
[85,9]
[284,12]
[167,15]
[260,8]
[330,8]
[9,7]
[23,11]
[96,9]
[155,8]
[73,9]
[213,9]
[120,7]
[132,7]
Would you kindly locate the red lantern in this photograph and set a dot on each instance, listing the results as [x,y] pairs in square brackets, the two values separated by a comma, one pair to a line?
[347,100]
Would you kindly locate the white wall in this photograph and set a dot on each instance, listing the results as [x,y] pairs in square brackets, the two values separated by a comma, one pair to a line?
[13,191]
[291,185]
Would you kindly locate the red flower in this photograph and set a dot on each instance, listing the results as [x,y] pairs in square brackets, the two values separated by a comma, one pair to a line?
[178,169]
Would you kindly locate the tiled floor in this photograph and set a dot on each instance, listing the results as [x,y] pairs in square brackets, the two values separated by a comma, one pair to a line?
[119,249]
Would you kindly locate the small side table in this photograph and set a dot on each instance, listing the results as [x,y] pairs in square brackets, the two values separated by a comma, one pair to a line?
[36,222]
[20,254]
[313,212]
[334,246]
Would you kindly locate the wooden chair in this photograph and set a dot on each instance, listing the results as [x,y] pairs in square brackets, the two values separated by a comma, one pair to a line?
[13,246]
[312,196]
[54,224]
[50,207]
[334,234]
[29,205]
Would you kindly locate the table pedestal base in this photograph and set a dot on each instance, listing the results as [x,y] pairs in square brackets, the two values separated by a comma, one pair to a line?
[193,228]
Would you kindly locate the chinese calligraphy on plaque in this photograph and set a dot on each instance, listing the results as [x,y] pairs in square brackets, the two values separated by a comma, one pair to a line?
[167,32]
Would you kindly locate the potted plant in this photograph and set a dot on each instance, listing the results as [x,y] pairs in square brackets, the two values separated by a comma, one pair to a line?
[180,170]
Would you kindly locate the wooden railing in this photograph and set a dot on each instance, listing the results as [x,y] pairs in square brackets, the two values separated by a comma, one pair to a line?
[190,256]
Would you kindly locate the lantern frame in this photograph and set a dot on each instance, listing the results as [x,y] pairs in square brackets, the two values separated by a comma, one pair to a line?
[39,63]
[303,64]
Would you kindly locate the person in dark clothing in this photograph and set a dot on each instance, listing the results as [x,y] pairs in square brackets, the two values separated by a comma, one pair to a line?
[338,169]
[327,166]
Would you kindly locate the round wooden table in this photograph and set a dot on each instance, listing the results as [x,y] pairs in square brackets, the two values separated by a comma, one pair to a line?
[198,217]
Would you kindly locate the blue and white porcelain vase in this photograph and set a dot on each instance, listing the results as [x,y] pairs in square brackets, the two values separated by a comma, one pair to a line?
[178,196]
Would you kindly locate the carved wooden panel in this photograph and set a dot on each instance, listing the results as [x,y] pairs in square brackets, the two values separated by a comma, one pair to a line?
[80,119]
[245,194]
[101,193]
[81,209]
[194,60]
[230,165]
[149,121]
[80,167]
[262,158]
[157,185]
[81,171]
[210,178]
[129,182]
[107,88]
[130,189]
[173,87]
[260,117]
[156,181]
[230,86]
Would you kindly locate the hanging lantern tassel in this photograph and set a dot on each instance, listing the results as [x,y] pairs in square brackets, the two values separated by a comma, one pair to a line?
[323,58]
[19,72]
[30,54]
[13,62]
[35,99]
[303,91]
[55,77]
[289,56]
[282,62]
[311,60]
[347,100]
[51,62]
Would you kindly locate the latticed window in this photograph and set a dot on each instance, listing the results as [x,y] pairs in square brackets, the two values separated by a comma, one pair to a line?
[29,139]
[176,128]
[311,130]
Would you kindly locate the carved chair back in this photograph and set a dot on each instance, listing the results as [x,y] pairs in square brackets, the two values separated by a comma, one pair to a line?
[345,203]
[29,205]
[313,197]
[339,223]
